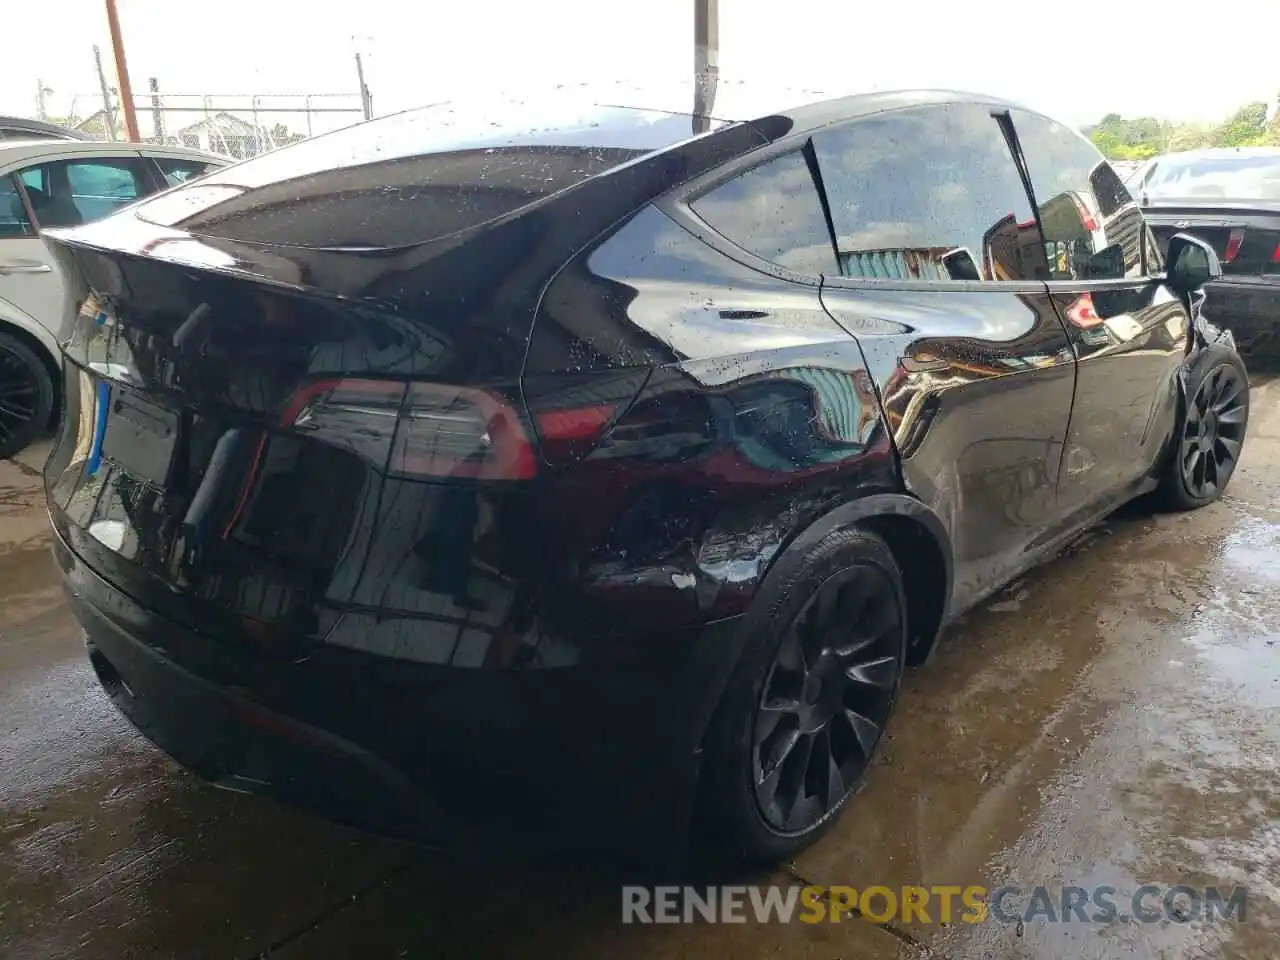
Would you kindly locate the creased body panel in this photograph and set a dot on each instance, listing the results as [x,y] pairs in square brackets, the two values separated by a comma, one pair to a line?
[977,389]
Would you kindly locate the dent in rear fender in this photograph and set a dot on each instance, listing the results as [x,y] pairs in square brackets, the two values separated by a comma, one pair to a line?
[678,514]
[760,417]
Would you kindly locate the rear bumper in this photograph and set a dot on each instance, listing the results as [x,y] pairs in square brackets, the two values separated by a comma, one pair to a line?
[540,764]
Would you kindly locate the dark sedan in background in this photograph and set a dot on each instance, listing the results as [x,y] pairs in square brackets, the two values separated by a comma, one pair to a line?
[1229,197]
[572,474]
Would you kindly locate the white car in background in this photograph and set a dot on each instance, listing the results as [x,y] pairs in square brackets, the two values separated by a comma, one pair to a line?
[59,183]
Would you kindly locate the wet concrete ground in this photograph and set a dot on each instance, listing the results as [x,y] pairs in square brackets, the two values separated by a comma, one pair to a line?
[1113,719]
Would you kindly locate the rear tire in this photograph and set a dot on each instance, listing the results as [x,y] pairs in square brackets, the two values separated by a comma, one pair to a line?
[807,704]
[26,395]
[1213,416]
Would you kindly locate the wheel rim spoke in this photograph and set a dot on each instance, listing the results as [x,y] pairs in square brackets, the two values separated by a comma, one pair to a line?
[1228,393]
[1190,450]
[788,780]
[880,673]
[830,779]
[1233,415]
[865,731]
[1227,450]
[779,747]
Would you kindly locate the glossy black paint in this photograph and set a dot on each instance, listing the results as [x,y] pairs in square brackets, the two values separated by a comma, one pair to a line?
[469,658]
[977,387]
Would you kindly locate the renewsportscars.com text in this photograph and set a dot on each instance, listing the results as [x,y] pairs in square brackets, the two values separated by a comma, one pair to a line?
[943,904]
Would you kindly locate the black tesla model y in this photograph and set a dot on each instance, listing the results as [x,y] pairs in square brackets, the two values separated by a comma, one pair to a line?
[559,478]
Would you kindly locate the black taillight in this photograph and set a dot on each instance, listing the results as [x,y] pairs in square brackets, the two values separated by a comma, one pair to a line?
[356,415]
[416,430]
[460,432]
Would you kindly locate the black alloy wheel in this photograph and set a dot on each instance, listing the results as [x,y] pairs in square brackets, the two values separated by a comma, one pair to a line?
[827,698]
[1213,432]
[26,395]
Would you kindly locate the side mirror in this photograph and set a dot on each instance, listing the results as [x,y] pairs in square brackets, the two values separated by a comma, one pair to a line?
[1191,264]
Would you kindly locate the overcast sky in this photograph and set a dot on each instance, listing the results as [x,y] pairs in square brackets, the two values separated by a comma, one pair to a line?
[1076,60]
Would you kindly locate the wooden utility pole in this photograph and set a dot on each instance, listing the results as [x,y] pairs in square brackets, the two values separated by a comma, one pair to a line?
[706,61]
[108,108]
[122,73]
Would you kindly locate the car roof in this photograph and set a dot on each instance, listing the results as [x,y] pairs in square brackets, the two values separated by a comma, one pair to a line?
[732,102]
[21,151]
[1220,153]
[40,127]
[819,113]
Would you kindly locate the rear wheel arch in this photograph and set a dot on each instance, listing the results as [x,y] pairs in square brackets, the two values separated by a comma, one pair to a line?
[920,545]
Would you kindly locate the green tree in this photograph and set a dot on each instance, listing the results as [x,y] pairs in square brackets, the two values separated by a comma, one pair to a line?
[1143,137]
[1247,127]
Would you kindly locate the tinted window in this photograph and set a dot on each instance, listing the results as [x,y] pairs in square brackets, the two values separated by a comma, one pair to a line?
[180,171]
[13,215]
[1092,227]
[773,211]
[928,193]
[65,193]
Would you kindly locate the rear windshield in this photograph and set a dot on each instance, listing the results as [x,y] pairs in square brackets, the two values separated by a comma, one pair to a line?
[1230,178]
[416,176]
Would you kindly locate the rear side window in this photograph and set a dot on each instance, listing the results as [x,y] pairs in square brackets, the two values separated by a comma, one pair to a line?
[65,193]
[773,211]
[178,171]
[1093,230]
[928,193]
[14,221]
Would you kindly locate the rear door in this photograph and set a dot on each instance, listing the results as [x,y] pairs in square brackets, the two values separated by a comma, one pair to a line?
[61,192]
[942,280]
[29,279]
[1128,330]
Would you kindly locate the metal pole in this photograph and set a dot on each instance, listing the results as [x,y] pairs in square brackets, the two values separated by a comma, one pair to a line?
[157,114]
[706,61]
[366,101]
[41,112]
[108,111]
[257,129]
[122,73]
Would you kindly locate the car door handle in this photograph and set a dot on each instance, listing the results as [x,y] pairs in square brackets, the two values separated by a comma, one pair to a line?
[23,266]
